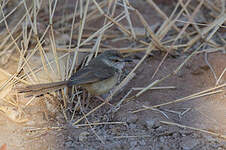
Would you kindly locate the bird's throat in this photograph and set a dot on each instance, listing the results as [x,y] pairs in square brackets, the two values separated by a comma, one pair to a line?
[117,65]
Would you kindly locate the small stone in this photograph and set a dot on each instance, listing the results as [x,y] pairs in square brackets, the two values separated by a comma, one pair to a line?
[68,143]
[188,143]
[162,139]
[142,142]
[211,138]
[83,136]
[133,144]
[205,67]
[131,118]
[152,123]
[132,126]
[197,71]
[181,73]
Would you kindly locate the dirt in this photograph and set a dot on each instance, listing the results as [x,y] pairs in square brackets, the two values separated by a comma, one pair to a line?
[143,130]
[46,128]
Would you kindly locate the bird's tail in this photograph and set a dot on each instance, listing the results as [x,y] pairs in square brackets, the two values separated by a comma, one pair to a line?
[38,89]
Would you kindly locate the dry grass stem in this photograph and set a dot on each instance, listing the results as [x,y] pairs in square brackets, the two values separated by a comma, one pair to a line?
[46,41]
[196,129]
[193,96]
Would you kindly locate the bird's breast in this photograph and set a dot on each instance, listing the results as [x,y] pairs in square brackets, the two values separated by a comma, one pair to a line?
[101,87]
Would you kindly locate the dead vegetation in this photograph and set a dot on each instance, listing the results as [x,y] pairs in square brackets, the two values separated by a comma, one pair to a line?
[46,41]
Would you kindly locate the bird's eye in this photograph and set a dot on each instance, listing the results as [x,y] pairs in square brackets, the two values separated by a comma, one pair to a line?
[114,59]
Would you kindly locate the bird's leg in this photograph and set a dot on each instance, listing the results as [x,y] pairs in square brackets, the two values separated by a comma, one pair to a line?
[86,100]
[100,98]
[83,99]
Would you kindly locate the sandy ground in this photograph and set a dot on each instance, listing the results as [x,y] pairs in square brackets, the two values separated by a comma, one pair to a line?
[141,130]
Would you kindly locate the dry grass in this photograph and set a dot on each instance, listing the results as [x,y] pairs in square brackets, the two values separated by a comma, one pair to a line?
[36,32]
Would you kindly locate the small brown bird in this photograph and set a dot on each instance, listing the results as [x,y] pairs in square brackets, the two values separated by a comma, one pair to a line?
[98,77]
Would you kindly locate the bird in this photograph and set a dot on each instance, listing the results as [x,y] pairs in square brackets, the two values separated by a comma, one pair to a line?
[98,77]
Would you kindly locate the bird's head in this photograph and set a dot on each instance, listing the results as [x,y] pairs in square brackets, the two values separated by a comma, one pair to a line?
[114,59]
[115,56]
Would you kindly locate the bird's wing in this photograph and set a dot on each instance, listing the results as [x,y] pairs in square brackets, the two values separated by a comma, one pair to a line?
[91,74]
